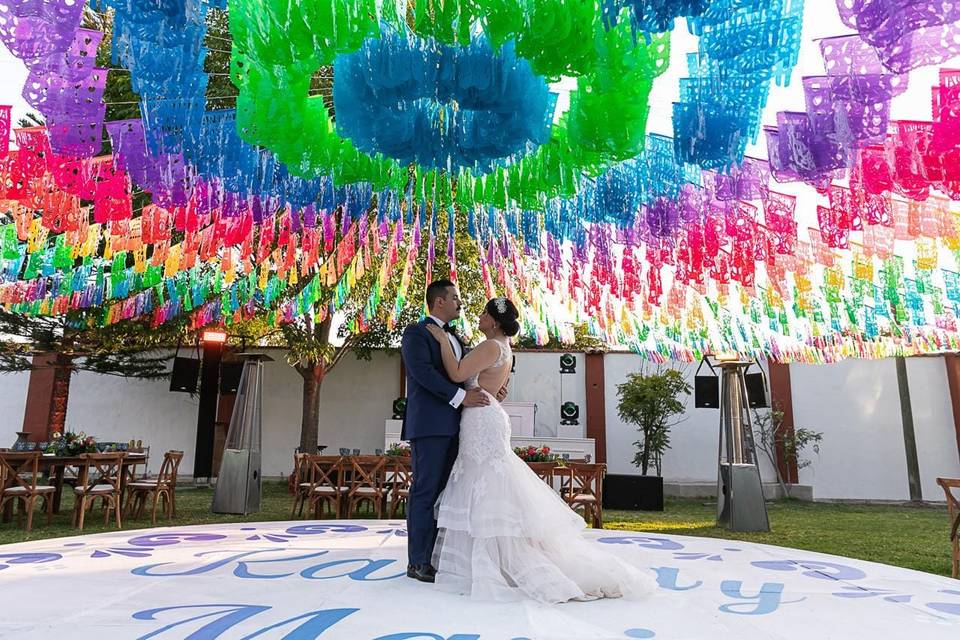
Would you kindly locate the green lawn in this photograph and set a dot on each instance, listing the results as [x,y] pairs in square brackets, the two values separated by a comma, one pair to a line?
[914,537]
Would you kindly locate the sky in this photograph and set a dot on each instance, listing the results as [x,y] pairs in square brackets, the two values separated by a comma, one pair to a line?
[12,76]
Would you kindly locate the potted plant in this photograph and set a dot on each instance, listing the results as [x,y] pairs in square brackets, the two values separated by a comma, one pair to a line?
[651,402]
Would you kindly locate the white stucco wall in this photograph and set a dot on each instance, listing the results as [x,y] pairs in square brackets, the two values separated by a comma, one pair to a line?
[13,401]
[855,404]
[538,379]
[355,399]
[117,409]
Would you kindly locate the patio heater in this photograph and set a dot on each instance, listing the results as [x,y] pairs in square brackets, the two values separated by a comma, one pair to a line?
[740,503]
[238,485]
[213,341]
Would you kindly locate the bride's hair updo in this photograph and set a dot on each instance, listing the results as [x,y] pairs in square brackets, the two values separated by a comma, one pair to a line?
[506,314]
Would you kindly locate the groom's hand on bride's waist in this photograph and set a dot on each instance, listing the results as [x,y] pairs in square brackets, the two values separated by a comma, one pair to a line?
[476,398]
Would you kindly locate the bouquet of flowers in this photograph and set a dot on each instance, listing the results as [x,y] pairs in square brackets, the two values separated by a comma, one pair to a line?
[535,454]
[72,444]
[399,449]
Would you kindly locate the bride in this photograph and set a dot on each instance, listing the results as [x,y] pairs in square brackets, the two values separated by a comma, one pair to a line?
[503,533]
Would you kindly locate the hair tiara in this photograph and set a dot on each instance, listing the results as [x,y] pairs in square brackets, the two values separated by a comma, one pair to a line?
[500,304]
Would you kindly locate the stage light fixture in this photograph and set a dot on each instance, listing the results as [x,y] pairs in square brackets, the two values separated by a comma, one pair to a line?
[569,413]
[399,408]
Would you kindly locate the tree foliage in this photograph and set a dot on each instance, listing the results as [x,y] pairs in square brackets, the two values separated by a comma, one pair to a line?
[583,340]
[128,349]
[649,401]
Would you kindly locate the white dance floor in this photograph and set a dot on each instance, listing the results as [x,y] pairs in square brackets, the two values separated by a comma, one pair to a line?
[305,580]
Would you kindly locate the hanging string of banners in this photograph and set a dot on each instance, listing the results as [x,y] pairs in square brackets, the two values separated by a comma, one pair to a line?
[277,198]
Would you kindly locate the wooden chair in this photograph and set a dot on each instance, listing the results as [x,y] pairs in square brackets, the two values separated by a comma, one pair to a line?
[367,483]
[163,487]
[300,484]
[19,473]
[402,480]
[325,473]
[544,471]
[953,513]
[582,488]
[101,476]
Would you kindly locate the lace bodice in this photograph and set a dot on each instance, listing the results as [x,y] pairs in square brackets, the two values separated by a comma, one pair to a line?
[505,353]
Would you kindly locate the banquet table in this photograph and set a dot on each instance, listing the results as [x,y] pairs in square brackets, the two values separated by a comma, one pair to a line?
[55,466]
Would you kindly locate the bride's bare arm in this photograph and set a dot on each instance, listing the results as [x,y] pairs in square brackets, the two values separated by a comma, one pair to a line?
[472,364]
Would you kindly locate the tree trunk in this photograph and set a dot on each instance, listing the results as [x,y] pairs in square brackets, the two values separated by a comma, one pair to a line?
[313,372]
[310,421]
[645,456]
[60,396]
[777,444]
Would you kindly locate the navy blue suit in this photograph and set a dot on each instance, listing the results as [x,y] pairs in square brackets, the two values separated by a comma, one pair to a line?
[433,428]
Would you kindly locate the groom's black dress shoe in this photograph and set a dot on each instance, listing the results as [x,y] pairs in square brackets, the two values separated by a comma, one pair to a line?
[421,572]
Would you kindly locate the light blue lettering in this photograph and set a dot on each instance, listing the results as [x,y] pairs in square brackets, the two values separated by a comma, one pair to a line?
[362,573]
[667,579]
[767,599]
[147,570]
[242,570]
[317,622]
[227,616]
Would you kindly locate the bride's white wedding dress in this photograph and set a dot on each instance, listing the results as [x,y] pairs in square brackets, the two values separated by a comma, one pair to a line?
[506,535]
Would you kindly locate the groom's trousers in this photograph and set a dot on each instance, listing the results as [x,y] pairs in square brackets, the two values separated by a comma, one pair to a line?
[432,459]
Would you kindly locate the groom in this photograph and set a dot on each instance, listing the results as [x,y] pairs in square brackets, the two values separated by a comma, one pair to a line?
[432,421]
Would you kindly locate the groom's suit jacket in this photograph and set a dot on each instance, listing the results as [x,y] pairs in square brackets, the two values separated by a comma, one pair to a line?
[429,389]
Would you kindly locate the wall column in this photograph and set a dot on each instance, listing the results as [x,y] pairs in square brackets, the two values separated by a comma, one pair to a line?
[36,413]
[952,362]
[596,404]
[909,435]
[781,399]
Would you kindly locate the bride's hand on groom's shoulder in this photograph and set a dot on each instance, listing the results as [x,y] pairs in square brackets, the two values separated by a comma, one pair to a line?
[436,332]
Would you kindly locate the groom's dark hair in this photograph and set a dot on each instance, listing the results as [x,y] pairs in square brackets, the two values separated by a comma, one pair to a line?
[437,289]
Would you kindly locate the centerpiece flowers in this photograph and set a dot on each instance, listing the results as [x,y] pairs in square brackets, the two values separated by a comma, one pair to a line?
[535,454]
[72,444]
[398,449]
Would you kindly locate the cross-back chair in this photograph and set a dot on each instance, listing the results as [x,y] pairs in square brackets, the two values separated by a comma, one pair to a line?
[101,477]
[19,482]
